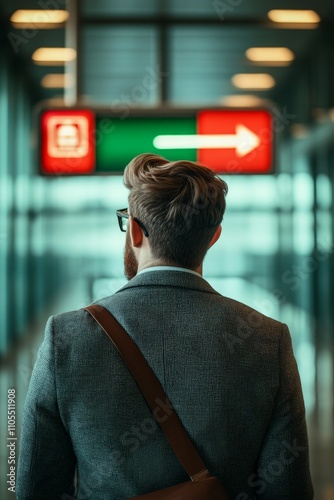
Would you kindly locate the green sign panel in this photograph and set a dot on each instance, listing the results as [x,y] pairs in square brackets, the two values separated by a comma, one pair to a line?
[118,141]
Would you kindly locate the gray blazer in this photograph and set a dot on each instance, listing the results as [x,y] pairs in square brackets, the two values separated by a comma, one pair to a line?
[228,370]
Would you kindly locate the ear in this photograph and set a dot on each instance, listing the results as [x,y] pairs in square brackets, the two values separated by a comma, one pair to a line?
[136,233]
[215,236]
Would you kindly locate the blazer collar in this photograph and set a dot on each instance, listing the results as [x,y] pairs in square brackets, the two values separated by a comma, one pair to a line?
[170,278]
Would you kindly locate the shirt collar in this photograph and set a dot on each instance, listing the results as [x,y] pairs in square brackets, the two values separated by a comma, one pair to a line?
[168,268]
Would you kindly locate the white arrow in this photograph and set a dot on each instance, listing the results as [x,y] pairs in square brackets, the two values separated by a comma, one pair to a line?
[244,141]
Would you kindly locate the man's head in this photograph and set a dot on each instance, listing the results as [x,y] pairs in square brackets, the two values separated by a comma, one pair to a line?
[180,203]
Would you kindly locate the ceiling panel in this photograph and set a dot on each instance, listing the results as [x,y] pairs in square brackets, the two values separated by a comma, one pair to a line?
[125,7]
[233,40]
[204,59]
[252,9]
[120,61]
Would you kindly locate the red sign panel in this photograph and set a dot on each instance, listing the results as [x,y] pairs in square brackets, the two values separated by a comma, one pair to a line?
[236,141]
[68,142]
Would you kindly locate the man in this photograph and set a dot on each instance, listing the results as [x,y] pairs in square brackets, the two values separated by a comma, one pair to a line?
[228,370]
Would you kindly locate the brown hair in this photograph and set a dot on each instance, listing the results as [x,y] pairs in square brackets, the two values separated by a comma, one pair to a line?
[180,203]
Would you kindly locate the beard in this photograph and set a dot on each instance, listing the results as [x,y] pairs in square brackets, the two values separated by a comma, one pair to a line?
[130,261]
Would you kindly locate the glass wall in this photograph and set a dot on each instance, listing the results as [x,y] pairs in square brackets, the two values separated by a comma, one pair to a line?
[15,194]
[30,272]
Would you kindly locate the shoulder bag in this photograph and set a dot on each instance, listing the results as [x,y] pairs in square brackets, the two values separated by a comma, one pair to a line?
[202,485]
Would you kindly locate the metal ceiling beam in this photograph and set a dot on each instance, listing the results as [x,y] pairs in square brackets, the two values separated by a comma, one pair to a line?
[72,68]
[186,21]
[163,64]
[167,21]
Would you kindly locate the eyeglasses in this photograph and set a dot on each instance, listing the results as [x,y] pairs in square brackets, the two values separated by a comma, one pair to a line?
[123,224]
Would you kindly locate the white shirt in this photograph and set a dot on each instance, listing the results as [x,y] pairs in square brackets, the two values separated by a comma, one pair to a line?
[168,268]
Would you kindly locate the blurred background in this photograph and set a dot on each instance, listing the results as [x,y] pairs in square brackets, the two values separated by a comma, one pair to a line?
[60,246]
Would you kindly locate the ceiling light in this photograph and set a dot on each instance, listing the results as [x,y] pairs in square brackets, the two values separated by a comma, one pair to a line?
[270,54]
[56,81]
[39,19]
[254,81]
[50,56]
[294,16]
[243,101]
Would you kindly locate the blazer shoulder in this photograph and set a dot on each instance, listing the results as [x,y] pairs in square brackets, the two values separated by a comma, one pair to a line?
[257,321]
[69,318]
[78,319]
[76,324]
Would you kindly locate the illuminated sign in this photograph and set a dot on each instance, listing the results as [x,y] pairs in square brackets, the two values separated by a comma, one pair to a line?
[85,142]
[242,140]
[68,142]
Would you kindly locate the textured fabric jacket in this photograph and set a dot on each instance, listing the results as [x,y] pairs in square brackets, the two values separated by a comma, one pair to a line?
[228,370]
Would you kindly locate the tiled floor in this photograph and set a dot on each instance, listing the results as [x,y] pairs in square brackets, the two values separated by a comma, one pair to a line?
[15,373]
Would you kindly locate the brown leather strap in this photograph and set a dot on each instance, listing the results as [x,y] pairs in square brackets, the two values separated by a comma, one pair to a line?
[152,392]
